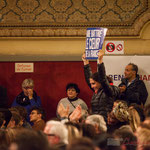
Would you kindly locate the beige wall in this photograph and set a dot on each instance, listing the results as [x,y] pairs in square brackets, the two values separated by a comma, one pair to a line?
[65,48]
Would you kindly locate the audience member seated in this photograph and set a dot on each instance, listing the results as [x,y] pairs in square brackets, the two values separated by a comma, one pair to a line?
[78,115]
[143,137]
[30,140]
[4,140]
[15,121]
[133,90]
[98,122]
[127,138]
[37,117]
[88,130]
[23,114]
[83,143]
[57,134]
[106,141]
[139,109]
[7,115]
[118,116]
[72,101]
[147,111]
[3,97]
[2,120]
[28,97]
[73,132]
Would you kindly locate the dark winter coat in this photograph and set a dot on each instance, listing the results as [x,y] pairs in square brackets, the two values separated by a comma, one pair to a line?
[101,102]
[136,92]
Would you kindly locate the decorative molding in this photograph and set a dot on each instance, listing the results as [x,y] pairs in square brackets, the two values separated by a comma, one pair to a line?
[54,18]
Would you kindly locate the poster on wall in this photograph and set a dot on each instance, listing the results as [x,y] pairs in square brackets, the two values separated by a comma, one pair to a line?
[24,67]
[94,41]
[114,47]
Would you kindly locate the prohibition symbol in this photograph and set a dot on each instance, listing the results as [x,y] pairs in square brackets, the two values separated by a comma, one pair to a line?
[110,47]
[119,47]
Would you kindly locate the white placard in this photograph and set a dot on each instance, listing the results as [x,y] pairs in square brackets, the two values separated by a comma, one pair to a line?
[24,67]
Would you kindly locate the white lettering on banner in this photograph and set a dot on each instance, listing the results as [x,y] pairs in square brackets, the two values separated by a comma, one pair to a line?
[92,43]
[94,33]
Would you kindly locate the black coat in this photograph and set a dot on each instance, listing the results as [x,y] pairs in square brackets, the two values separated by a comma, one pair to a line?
[136,92]
[102,102]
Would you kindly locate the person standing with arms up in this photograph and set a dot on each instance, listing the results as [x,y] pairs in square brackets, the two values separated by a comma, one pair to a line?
[104,93]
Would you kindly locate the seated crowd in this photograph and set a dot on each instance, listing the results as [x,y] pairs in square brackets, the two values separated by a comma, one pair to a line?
[118,119]
[127,128]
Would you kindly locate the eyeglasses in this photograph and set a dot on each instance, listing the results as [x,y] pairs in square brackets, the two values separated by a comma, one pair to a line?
[32,113]
[49,134]
[28,87]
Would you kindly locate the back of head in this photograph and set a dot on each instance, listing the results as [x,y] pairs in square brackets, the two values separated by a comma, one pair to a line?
[106,141]
[143,136]
[22,111]
[7,115]
[2,119]
[99,120]
[31,140]
[127,138]
[83,143]
[135,119]
[73,132]
[58,129]
[147,111]
[88,130]
[121,113]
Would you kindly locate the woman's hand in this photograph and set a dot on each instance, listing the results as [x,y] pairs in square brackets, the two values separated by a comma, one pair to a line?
[30,93]
[76,114]
[62,111]
[85,61]
[100,56]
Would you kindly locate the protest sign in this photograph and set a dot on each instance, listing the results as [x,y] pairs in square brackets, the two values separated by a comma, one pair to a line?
[94,41]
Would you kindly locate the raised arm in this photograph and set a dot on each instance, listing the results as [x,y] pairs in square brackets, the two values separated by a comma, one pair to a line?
[87,70]
[109,90]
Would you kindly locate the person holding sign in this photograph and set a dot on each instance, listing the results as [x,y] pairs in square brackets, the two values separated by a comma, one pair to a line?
[104,93]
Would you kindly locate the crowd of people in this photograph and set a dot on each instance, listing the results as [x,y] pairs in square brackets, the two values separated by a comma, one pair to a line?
[118,119]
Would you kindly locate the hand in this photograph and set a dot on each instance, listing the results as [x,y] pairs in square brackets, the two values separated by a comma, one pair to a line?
[85,61]
[122,88]
[100,56]
[76,114]
[62,111]
[30,93]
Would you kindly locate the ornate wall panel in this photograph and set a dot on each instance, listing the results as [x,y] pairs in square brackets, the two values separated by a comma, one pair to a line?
[47,18]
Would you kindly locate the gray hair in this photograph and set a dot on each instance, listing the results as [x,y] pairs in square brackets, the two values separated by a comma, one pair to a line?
[28,83]
[59,129]
[99,120]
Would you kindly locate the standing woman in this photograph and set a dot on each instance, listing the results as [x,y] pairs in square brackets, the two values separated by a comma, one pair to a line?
[104,92]
[28,97]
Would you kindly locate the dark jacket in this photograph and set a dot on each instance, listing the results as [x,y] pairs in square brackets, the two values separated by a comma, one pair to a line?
[102,102]
[136,92]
